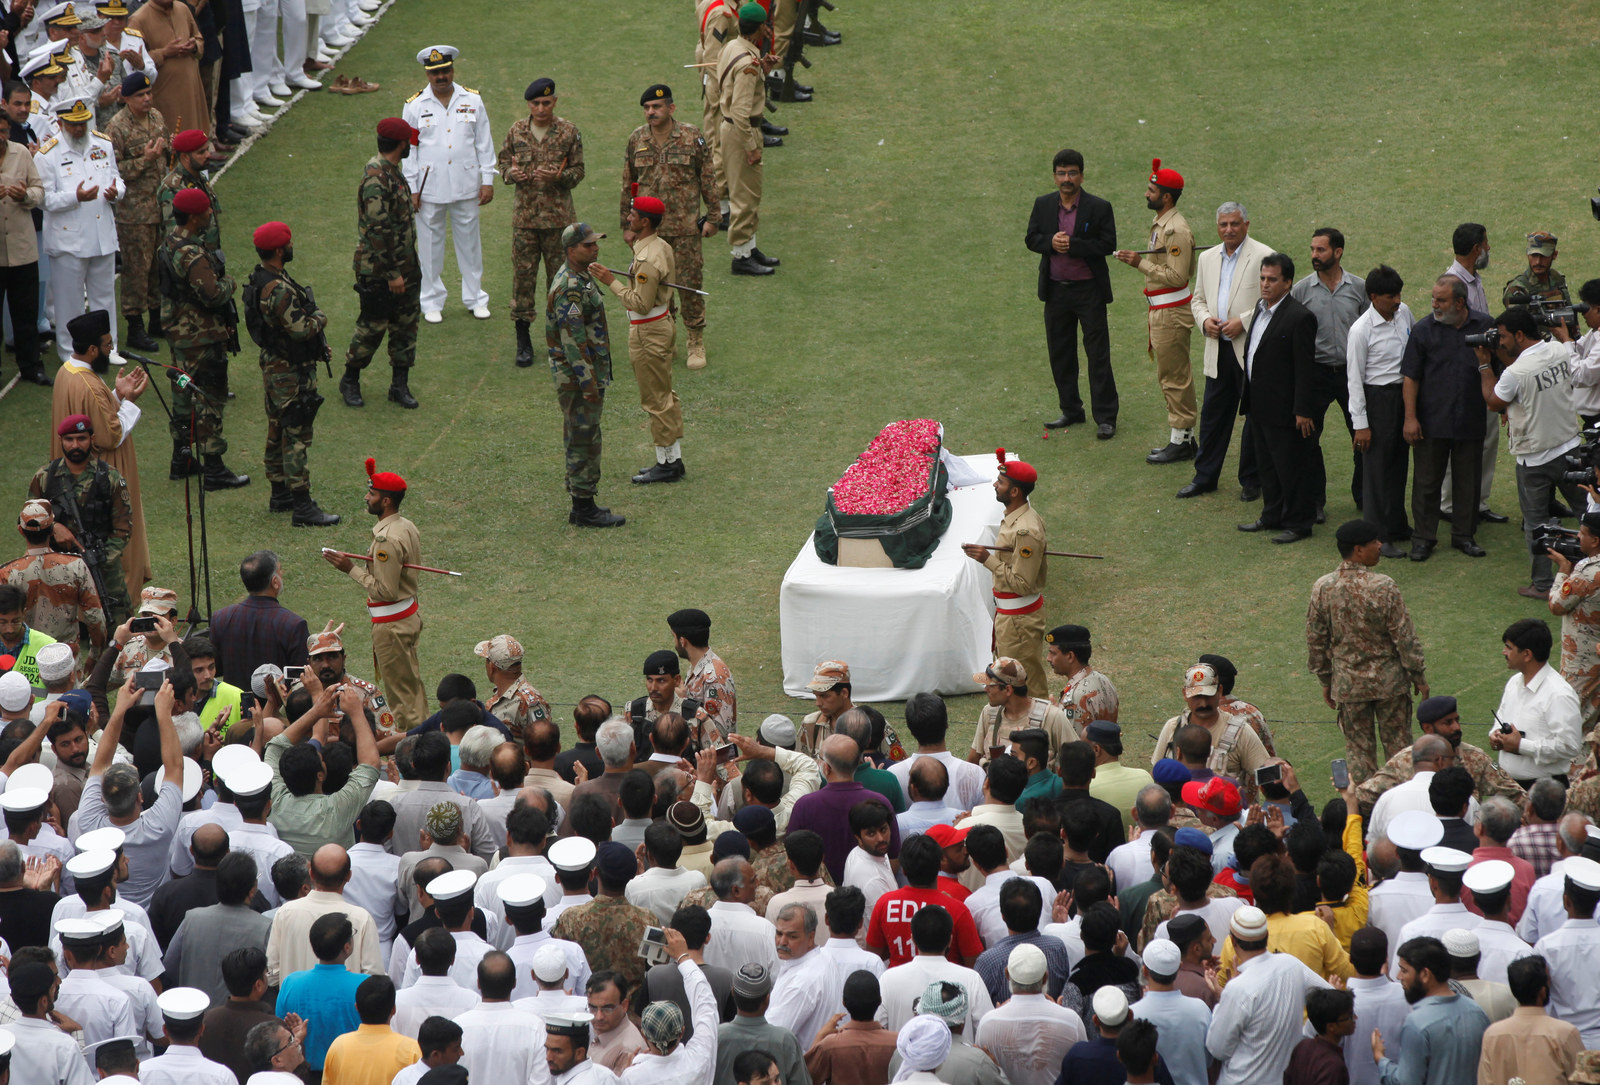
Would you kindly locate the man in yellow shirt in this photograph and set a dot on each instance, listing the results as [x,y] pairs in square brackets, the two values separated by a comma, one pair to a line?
[1300,934]
[374,1053]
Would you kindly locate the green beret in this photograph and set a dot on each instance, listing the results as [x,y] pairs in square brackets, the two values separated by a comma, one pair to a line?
[752,12]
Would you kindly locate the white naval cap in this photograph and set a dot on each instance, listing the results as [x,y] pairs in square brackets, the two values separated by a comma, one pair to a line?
[30,777]
[248,778]
[437,56]
[34,64]
[521,890]
[105,838]
[20,800]
[571,853]
[1490,876]
[230,758]
[1415,830]
[1585,873]
[451,884]
[78,932]
[91,864]
[109,920]
[1446,860]
[190,784]
[183,1003]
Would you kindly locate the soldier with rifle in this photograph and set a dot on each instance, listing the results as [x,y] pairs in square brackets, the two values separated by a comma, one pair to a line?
[93,516]
[283,320]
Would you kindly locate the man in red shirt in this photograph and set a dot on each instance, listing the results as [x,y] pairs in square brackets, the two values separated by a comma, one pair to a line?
[889,932]
[953,841]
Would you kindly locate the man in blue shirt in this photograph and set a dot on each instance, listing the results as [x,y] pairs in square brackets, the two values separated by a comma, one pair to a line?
[1443,1035]
[324,995]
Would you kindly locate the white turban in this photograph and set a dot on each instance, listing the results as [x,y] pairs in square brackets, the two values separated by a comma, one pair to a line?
[924,1044]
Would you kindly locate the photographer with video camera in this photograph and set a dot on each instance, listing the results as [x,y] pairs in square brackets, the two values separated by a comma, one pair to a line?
[1575,598]
[1585,354]
[1535,390]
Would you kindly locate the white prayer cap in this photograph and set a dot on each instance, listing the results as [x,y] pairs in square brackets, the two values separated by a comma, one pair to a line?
[1415,830]
[54,662]
[1026,965]
[15,692]
[549,963]
[1163,957]
[1460,943]
[1110,1006]
[1249,923]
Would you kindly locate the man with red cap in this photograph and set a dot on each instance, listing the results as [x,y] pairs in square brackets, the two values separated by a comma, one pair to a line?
[191,152]
[652,334]
[78,169]
[1168,273]
[391,596]
[388,273]
[1018,564]
[286,324]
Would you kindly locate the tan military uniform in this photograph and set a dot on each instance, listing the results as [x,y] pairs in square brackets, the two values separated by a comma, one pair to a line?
[744,100]
[1236,749]
[719,24]
[1168,276]
[1018,581]
[652,334]
[396,621]
[995,727]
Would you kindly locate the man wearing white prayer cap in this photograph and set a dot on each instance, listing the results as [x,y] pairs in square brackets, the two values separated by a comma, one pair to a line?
[1029,1034]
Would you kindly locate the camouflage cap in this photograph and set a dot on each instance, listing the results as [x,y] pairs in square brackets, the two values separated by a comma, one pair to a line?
[1542,243]
[662,1024]
[1587,1070]
[36,515]
[579,233]
[1200,680]
[829,673]
[153,600]
[503,650]
[443,821]
[325,641]
[1006,671]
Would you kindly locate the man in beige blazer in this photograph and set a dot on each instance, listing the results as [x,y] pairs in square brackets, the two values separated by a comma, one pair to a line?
[1226,288]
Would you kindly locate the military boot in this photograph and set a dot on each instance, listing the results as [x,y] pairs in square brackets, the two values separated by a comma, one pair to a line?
[524,346]
[697,348]
[308,514]
[156,330]
[400,391]
[282,500]
[218,477]
[138,338]
[183,462]
[350,388]
[585,513]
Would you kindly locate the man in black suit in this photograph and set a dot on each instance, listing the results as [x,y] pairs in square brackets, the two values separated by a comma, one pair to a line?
[1279,355]
[1073,232]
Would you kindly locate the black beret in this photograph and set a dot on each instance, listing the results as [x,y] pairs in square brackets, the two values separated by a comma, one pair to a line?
[1356,533]
[656,92]
[662,662]
[682,621]
[1068,636]
[539,88]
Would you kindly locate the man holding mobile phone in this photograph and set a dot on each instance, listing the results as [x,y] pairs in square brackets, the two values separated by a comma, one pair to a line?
[156,605]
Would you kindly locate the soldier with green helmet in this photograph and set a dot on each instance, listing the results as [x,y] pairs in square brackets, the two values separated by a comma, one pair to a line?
[284,321]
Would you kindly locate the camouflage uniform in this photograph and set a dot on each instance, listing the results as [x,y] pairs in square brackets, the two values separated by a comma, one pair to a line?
[1257,720]
[580,353]
[134,655]
[1158,909]
[711,683]
[681,173]
[177,179]
[1490,779]
[138,211]
[774,873]
[105,114]
[1365,652]
[541,211]
[1236,749]
[199,322]
[1554,288]
[290,318]
[61,596]
[387,248]
[107,513]
[706,896]
[609,930]
[1572,595]
[1087,696]
[372,697]
[519,706]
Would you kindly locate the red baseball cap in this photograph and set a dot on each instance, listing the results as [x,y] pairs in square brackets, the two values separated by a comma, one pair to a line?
[946,835]
[1216,796]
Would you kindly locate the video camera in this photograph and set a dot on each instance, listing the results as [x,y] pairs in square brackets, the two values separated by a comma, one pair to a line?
[1563,540]
[1547,312]
[1582,461]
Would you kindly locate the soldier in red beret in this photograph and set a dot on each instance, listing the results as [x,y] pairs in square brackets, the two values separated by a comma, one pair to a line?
[652,334]
[1018,564]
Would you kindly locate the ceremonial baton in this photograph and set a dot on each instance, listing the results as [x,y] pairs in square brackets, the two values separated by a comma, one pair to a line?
[1052,553]
[404,565]
[690,289]
[1152,252]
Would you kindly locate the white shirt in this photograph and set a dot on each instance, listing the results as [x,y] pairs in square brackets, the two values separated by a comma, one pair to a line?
[374,885]
[223,813]
[1433,923]
[1028,1036]
[1380,1004]
[1477,300]
[45,1054]
[453,144]
[983,904]
[1498,946]
[1372,355]
[142,1001]
[1571,953]
[919,817]
[1411,795]
[149,837]
[903,984]
[1546,710]
[1258,328]
[547,1002]
[1256,1024]
[1225,269]
[102,1010]
[470,949]
[740,936]
[262,844]
[430,995]
[503,1044]
[278,1077]
[144,952]
[408,1075]
[526,945]
[845,956]
[689,1063]
[289,943]
[1130,862]
[587,1072]
[1181,1023]
[1216,913]
[1586,373]
[1537,386]
[661,891]
[871,874]
[806,994]
[966,779]
[133,40]
[1545,911]
[184,1065]
[1394,903]
[486,896]
[812,892]
[495,811]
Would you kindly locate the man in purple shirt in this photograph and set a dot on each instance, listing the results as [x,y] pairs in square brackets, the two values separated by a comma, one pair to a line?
[259,629]
[827,812]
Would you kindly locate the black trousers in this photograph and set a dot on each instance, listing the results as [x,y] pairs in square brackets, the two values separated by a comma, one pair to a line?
[1069,306]
[20,285]
[1429,457]
[1386,462]
[1217,412]
[1330,386]
[1285,459]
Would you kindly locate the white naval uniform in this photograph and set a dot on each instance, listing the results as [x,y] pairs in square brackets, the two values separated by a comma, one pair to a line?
[503,1044]
[82,81]
[456,149]
[133,41]
[184,1065]
[80,236]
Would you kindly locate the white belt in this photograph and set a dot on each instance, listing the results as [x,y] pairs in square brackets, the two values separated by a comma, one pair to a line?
[385,610]
[1168,297]
[643,318]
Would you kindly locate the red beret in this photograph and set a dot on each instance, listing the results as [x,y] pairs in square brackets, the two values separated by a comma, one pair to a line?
[191,201]
[271,235]
[1165,178]
[188,141]
[384,480]
[649,205]
[1015,470]
[74,423]
[395,128]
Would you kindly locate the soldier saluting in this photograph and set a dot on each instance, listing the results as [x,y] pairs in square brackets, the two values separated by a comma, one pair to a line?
[1018,564]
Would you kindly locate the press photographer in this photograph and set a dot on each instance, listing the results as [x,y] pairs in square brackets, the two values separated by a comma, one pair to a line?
[1535,391]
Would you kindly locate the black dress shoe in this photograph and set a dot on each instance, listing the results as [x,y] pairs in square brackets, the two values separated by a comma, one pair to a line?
[749,265]
[1258,525]
[39,377]
[1390,550]
[1195,489]
[1064,420]
[1421,549]
[1250,493]
[1559,509]
[1289,535]
[762,258]
[772,141]
[1489,516]
[1470,548]
[1106,431]
[1172,453]
[770,129]
[1322,515]
[661,472]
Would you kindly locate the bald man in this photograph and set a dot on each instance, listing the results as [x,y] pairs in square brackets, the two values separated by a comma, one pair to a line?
[206,847]
[1430,754]
[826,811]
[289,945]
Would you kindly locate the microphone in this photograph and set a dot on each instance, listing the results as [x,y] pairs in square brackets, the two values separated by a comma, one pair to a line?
[183,379]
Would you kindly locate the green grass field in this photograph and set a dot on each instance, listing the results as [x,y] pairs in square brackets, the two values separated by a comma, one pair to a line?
[898,208]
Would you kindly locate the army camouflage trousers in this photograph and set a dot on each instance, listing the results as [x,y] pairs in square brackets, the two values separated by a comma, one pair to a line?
[400,326]
[1392,718]
[1021,636]
[115,599]
[200,405]
[1169,349]
[139,243]
[650,349]
[580,433]
[527,248]
[288,439]
[688,269]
